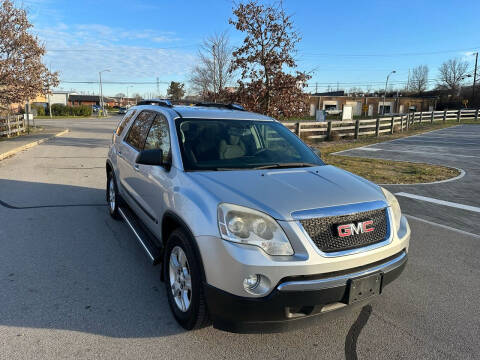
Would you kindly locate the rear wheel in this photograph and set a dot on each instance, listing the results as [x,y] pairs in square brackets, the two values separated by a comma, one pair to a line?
[112,196]
[183,282]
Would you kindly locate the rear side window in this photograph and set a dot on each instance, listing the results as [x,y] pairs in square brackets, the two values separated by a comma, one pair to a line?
[139,130]
[125,121]
[159,137]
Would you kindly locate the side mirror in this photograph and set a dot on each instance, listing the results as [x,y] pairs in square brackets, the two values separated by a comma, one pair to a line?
[150,157]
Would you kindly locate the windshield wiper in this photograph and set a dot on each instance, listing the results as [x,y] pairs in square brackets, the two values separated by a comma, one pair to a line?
[285,165]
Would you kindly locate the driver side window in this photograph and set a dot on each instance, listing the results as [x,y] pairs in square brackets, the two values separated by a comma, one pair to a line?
[159,136]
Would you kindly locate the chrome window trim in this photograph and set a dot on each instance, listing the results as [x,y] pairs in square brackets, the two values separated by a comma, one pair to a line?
[345,210]
[319,284]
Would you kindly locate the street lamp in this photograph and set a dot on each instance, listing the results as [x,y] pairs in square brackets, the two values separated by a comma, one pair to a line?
[102,105]
[385,93]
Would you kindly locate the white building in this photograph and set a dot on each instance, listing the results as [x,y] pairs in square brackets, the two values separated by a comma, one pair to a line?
[59,97]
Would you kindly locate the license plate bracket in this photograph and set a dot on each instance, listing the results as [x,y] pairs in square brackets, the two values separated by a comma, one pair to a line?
[364,287]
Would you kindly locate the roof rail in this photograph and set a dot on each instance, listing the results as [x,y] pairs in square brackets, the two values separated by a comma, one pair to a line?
[230,106]
[158,102]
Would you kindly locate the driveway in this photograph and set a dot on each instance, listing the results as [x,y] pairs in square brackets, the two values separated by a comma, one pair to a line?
[76,284]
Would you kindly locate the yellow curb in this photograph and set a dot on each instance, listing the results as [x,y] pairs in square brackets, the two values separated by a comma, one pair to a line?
[30,145]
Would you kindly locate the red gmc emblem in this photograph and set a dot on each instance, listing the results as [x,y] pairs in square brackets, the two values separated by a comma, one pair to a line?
[351,229]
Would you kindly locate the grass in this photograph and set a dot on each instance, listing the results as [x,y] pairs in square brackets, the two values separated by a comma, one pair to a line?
[388,171]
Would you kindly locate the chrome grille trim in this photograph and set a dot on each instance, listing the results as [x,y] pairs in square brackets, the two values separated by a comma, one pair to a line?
[345,210]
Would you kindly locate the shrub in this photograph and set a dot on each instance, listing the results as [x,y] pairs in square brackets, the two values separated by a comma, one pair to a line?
[80,110]
[38,110]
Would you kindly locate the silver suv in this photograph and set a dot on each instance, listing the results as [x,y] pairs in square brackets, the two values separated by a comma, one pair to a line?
[254,232]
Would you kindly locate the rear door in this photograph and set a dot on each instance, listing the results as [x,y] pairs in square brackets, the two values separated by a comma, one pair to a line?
[128,150]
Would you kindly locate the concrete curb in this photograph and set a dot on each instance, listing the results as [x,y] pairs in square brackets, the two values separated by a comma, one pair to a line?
[30,145]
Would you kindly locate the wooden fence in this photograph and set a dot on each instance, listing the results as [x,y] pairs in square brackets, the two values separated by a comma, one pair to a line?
[312,130]
[12,125]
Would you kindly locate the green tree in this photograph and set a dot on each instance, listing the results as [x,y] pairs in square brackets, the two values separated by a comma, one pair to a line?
[176,90]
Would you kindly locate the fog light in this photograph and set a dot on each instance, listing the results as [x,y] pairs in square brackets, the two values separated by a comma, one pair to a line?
[251,282]
[256,284]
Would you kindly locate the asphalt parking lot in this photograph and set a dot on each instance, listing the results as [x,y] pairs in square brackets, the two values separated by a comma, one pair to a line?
[75,283]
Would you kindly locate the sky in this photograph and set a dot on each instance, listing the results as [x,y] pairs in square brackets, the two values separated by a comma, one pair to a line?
[344,44]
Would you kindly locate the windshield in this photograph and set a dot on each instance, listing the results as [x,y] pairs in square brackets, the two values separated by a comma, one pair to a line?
[240,144]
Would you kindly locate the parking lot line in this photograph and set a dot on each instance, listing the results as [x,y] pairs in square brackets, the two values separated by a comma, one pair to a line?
[440,202]
[403,151]
[443,226]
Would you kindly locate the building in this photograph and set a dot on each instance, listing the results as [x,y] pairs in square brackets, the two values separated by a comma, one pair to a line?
[59,97]
[89,100]
[369,105]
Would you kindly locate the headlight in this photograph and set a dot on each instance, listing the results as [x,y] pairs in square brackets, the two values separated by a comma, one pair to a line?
[395,206]
[247,226]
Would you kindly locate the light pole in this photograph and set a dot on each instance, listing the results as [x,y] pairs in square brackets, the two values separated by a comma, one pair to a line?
[214,73]
[385,93]
[101,91]
[128,102]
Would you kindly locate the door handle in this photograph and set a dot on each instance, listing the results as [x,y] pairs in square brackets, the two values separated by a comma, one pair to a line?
[136,168]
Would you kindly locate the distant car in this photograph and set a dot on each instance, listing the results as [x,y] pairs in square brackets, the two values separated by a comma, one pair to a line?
[96,108]
[122,110]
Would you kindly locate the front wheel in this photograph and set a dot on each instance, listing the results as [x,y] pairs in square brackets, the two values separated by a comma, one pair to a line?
[183,282]
[112,196]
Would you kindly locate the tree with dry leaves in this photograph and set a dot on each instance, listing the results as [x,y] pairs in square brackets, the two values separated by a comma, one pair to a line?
[269,82]
[212,72]
[23,76]
[419,79]
[452,73]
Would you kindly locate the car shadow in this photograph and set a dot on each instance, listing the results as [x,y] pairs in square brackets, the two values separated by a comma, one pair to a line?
[69,265]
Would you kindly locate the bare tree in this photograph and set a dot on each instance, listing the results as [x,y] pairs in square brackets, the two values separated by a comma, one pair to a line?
[419,79]
[211,74]
[452,72]
[23,76]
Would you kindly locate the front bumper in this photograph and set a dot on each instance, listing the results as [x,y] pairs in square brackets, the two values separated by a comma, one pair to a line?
[295,300]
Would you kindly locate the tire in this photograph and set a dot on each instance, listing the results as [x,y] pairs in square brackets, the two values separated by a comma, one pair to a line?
[182,272]
[112,196]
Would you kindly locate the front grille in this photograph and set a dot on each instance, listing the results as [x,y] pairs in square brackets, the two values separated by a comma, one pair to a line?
[323,231]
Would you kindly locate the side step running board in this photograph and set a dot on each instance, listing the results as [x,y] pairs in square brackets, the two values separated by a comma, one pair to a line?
[143,235]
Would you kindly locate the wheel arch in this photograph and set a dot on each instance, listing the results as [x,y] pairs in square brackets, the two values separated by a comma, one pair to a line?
[172,221]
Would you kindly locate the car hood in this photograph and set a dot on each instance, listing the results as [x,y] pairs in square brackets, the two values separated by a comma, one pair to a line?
[281,192]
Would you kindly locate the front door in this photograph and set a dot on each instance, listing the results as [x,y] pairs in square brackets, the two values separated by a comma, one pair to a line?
[128,151]
[156,181]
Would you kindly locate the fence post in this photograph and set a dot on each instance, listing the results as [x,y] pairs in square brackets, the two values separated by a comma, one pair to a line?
[444,115]
[476,115]
[401,123]
[329,130]
[459,114]
[421,117]
[299,128]
[377,127]
[413,118]
[357,128]
[18,126]
[392,124]
[431,119]
[8,125]
[408,120]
